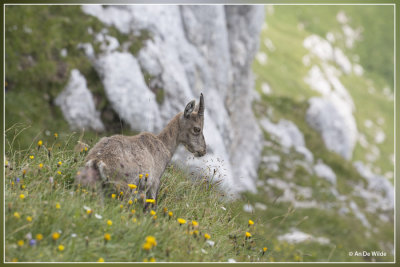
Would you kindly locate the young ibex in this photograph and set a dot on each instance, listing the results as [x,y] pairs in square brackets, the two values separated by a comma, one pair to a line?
[120,160]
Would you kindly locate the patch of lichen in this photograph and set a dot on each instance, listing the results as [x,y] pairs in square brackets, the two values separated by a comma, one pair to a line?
[138,40]
[154,84]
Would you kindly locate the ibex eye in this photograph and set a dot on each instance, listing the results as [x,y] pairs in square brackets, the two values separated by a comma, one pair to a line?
[196,129]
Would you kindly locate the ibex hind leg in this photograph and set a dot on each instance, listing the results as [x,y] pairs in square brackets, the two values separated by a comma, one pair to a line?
[101,167]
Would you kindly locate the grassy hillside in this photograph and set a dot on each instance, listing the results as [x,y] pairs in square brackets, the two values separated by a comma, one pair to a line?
[36,72]
[288,26]
[41,48]
[282,38]
[39,205]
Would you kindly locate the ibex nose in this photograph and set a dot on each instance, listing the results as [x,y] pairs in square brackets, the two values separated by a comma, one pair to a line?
[201,153]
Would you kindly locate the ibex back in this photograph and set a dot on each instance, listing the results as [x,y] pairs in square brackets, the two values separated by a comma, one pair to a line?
[120,160]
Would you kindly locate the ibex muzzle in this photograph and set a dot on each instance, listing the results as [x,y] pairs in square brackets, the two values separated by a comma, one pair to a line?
[119,160]
[191,125]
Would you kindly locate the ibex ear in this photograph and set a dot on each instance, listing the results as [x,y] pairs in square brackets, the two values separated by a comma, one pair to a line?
[189,108]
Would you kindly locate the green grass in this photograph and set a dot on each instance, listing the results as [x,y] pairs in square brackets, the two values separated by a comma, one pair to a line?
[186,198]
[35,71]
[285,72]
[325,222]
[35,74]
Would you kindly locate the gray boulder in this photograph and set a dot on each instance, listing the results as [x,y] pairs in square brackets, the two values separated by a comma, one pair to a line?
[378,184]
[324,171]
[336,126]
[77,104]
[127,92]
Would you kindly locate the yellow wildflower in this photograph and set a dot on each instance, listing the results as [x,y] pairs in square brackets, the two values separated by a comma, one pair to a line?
[89,211]
[39,237]
[251,222]
[147,175]
[152,259]
[152,212]
[29,218]
[132,186]
[113,196]
[59,163]
[170,214]
[195,224]
[31,156]
[134,220]
[109,222]
[23,172]
[140,176]
[265,249]
[21,243]
[145,260]
[133,211]
[40,143]
[121,193]
[16,215]
[151,240]
[40,165]
[55,135]
[130,202]
[150,200]
[107,237]
[23,186]
[100,260]
[58,206]
[207,236]
[196,232]
[59,172]
[121,206]
[60,247]
[6,163]
[14,260]
[147,246]
[55,235]
[22,196]
[86,148]
[181,221]
[248,234]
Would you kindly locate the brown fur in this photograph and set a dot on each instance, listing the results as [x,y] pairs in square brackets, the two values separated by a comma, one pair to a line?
[118,160]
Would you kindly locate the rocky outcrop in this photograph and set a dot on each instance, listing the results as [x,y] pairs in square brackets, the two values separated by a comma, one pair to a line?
[77,104]
[192,49]
[337,126]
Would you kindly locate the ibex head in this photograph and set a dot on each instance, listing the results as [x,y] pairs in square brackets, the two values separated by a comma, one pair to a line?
[191,128]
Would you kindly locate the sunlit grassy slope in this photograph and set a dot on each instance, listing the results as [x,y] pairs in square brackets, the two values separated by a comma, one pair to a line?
[288,26]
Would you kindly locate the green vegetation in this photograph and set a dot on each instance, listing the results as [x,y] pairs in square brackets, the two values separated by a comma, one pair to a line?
[37,205]
[36,70]
[288,26]
[284,72]
[36,73]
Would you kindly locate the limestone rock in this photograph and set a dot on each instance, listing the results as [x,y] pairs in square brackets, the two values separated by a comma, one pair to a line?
[337,127]
[77,104]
